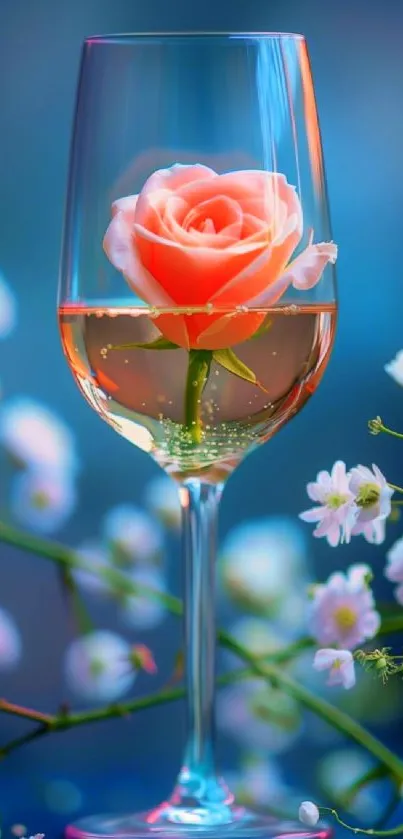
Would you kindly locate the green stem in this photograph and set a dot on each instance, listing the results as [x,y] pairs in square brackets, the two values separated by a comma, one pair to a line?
[81,617]
[395,487]
[332,715]
[26,713]
[394,831]
[390,431]
[62,722]
[372,774]
[389,810]
[198,371]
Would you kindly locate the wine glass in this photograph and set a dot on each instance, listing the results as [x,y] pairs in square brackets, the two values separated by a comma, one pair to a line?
[197,306]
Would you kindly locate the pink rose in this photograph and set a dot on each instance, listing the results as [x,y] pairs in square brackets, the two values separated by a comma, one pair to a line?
[194,238]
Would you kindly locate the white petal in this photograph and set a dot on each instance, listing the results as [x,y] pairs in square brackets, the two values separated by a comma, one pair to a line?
[348,674]
[305,271]
[324,659]
[314,514]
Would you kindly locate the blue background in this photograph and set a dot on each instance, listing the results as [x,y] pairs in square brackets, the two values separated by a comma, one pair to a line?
[357,60]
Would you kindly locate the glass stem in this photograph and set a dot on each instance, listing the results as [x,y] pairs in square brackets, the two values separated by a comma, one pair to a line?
[198,789]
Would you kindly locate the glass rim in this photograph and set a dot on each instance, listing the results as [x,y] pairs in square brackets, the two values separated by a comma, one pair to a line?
[132,37]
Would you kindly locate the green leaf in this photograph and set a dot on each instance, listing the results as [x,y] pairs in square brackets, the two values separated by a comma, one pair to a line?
[160,343]
[230,361]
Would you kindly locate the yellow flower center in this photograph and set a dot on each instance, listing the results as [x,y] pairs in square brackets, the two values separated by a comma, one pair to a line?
[345,618]
[96,667]
[335,500]
[368,495]
[40,500]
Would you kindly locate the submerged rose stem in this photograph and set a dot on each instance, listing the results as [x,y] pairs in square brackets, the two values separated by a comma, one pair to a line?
[198,370]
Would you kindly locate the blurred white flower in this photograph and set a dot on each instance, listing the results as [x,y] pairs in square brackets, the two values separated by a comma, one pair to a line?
[334,499]
[342,611]
[394,568]
[35,436]
[261,560]
[395,368]
[162,499]
[134,538]
[8,308]
[141,611]
[339,769]
[258,716]
[95,555]
[258,782]
[258,635]
[340,664]
[10,641]
[308,813]
[42,501]
[97,666]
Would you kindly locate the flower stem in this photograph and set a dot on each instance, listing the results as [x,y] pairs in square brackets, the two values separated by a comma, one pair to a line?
[394,831]
[396,488]
[198,371]
[25,713]
[332,715]
[390,431]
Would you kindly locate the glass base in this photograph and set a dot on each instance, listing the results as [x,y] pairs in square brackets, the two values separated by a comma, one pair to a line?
[170,821]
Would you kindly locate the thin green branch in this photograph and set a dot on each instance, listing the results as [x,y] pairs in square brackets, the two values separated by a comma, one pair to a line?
[395,487]
[372,774]
[332,715]
[25,713]
[377,426]
[65,721]
[371,831]
[389,810]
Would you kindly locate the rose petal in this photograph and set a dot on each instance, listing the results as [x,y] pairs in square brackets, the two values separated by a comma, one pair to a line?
[259,193]
[305,271]
[224,215]
[121,249]
[126,205]
[193,275]
[164,182]
[209,332]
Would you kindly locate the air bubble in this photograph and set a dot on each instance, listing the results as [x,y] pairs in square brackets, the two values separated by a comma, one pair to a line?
[126,360]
